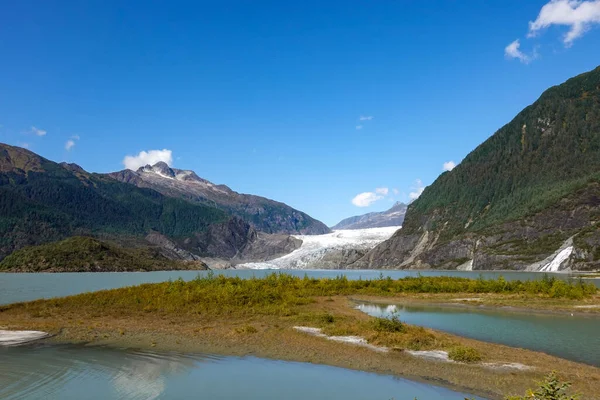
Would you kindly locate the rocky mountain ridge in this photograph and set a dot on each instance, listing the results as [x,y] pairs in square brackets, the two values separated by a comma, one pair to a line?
[392,217]
[265,215]
[42,202]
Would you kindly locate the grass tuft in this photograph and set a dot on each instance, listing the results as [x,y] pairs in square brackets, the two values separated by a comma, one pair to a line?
[464,354]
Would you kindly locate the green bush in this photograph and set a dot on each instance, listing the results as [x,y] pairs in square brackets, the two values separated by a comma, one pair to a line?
[464,354]
[550,389]
[393,324]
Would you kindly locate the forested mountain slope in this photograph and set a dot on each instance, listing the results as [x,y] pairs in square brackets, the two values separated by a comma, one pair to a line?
[517,197]
[42,201]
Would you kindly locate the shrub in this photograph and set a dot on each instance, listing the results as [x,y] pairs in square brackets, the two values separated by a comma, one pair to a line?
[464,354]
[393,324]
[550,389]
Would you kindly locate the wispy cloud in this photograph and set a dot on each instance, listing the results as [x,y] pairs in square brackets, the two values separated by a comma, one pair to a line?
[359,127]
[148,157]
[365,199]
[71,142]
[365,118]
[24,145]
[37,131]
[513,51]
[417,190]
[449,166]
[579,16]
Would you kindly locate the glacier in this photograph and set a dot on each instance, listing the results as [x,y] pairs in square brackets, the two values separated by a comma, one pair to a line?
[315,247]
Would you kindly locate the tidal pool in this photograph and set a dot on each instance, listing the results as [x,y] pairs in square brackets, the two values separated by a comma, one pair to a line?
[571,337]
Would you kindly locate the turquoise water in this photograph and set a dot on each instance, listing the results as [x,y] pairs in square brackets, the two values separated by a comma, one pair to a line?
[574,338]
[76,372]
[26,287]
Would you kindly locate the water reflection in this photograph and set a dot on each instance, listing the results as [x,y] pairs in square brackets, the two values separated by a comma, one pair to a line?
[571,337]
[79,372]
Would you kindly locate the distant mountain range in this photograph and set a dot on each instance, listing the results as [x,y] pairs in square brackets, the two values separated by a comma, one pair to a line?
[42,201]
[526,198]
[392,217]
[264,214]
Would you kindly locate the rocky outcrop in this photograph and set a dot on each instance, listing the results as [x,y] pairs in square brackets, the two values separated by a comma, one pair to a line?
[225,245]
[527,244]
[392,217]
[265,215]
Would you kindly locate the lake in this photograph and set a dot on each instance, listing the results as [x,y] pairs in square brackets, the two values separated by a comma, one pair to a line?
[65,372]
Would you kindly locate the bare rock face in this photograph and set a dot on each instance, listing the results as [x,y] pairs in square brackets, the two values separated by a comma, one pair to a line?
[514,245]
[224,245]
[265,215]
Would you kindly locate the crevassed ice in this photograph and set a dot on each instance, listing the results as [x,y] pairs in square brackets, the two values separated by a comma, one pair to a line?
[315,247]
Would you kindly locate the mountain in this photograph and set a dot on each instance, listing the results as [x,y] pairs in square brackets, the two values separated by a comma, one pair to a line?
[264,214]
[392,217]
[526,198]
[42,201]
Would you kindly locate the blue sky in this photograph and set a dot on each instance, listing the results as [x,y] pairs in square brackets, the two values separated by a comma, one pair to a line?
[267,96]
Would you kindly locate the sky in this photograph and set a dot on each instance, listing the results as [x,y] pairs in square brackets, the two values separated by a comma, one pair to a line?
[336,108]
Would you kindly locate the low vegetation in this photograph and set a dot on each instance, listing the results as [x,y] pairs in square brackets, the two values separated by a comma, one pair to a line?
[82,254]
[464,354]
[552,388]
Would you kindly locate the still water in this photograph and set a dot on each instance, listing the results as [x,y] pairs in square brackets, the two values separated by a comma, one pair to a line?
[571,337]
[25,287]
[77,372]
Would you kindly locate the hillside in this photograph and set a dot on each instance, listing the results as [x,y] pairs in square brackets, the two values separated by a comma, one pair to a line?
[265,215]
[42,201]
[85,254]
[518,197]
[392,217]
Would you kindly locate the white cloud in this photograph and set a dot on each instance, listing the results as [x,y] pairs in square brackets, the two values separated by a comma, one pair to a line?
[396,191]
[148,157]
[384,191]
[449,165]
[512,51]
[71,142]
[359,127]
[366,117]
[366,199]
[578,15]
[24,145]
[37,131]
[417,190]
